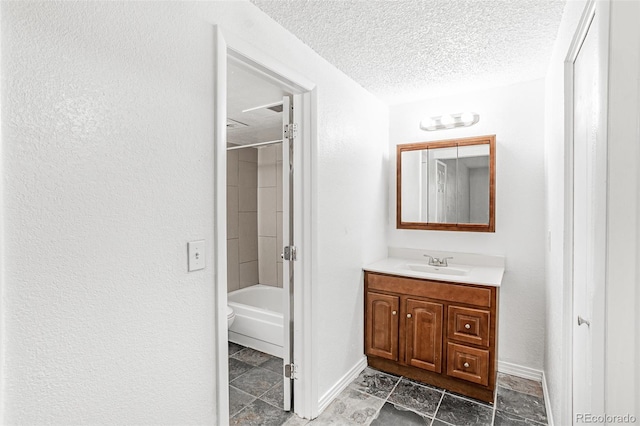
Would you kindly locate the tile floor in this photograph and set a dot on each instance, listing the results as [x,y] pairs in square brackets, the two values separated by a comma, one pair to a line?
[375,398]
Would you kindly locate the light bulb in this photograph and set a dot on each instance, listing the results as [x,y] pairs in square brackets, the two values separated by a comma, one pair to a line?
[467,118]
[447,120]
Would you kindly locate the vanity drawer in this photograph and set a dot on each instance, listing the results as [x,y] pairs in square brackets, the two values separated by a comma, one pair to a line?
[478,296]
[469,325]
[470,364]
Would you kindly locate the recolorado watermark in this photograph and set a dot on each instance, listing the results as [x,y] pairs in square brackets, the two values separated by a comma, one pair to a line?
[604,418]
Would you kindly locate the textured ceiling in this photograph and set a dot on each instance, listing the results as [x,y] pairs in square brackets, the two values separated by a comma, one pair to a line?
[403,50]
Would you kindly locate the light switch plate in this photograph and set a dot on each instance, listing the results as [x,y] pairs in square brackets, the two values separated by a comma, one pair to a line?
[195,250]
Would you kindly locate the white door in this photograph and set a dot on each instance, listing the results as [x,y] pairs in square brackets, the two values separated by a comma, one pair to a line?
[589,227]
[288,253]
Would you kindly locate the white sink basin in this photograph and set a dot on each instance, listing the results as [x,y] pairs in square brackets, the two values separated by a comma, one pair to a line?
[442,270]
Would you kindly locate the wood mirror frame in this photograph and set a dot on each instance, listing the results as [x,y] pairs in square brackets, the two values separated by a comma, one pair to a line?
[467,227]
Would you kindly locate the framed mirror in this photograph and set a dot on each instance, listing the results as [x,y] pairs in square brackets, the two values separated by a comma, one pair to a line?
[447,185]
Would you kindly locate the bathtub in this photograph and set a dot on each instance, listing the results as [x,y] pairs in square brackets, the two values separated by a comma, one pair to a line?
[258,322]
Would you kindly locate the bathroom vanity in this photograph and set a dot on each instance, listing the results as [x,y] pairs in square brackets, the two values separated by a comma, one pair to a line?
[438,327]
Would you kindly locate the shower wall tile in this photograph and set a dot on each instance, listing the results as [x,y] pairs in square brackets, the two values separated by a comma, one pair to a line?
[267,154]
[248,199]
[248,154]
[267,166]
[248,274]
[232,212]
[267,264]
[279,152]
[233,266]
[232,168]
[267,212]
[247,174]
[247,233]
[280,281]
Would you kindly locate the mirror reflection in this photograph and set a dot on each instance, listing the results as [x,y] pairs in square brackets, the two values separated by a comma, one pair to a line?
[446,185]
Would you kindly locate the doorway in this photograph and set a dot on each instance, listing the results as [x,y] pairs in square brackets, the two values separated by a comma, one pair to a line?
[295,105]
[586,213]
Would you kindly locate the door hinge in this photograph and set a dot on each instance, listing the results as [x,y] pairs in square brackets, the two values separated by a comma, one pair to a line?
[290,253]
[290,131]
[291,371]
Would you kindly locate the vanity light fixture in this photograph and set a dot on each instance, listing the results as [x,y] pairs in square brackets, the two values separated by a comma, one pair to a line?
[450,121]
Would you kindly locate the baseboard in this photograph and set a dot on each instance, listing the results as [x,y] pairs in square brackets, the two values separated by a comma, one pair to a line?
[341,384]
[531,374]
[520,371]
[547,400]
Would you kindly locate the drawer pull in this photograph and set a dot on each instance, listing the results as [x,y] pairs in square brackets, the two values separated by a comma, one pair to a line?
[408,315]
[466,365]
[467,326]
[393,313]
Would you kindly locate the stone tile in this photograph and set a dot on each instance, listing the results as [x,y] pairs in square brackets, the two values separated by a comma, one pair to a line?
[530,387]
[437,422]
[237,368]
[251,356]
[234,347]
[275,395]
[375,383]
[477,401]
[256,381]
[238,400]
[461,412]
[296,421]
[505,419]
[274,364]
[351,407]
[259,413]
[415,397]
[521,404]
[391,414]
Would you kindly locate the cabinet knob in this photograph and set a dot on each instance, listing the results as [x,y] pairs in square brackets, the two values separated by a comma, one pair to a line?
[393,312]
[408,315]
[467,326]
[466,365]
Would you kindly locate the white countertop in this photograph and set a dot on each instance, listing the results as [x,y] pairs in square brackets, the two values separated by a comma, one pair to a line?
[477,274]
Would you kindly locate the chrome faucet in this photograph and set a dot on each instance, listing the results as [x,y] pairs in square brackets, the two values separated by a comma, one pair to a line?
[434,261]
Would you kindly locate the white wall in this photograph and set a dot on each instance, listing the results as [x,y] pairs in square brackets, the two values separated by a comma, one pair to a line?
[515,115]
[622,375]
[107,172]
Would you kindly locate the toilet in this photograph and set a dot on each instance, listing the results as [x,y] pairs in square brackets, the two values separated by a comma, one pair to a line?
[230,316]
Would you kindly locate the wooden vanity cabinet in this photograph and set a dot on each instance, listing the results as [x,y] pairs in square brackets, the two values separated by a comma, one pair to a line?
[440,333]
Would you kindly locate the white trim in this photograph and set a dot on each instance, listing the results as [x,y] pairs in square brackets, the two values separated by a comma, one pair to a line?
[305,392]
[547,400]
[219,243]
[520,371]
[592,8]
[341,384]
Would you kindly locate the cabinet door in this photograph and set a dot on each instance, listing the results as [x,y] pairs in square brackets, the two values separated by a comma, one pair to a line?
[423,335]
[381,326]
